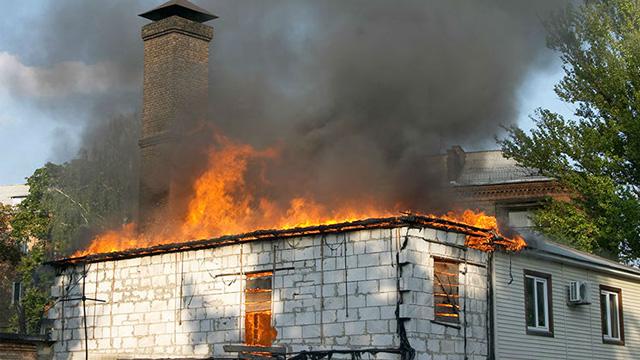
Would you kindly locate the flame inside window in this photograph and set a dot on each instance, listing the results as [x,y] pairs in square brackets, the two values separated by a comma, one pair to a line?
[257,322]
[446,295]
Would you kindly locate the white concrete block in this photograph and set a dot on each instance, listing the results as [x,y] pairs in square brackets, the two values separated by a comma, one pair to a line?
[310,331]
[360,340]
[356,274]
[433,345]
[377,299]
[369,313]
[292,332]
[368,260]
[334,303]
[368,286]
[357,301]
[333,329]
[382,340]
[377,326]
[379,272]
[336,276]
[354,328]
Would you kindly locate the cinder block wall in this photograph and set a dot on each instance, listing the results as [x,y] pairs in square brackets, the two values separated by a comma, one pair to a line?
[190,303]
[437,340]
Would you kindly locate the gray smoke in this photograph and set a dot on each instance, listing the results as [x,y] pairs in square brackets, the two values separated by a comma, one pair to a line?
[363,92]
[357,93]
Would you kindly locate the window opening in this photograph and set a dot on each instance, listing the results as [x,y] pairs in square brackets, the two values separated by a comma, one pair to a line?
[446,293]
[257,323]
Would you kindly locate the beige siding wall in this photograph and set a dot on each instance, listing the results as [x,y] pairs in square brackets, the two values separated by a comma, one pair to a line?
[577,333]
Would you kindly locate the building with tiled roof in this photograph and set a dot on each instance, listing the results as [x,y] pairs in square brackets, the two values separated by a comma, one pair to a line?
[488,181]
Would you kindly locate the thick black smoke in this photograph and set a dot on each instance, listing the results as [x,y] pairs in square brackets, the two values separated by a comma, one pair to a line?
[358,93]
[363,92]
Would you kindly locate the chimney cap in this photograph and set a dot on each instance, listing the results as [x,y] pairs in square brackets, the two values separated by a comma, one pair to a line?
[182,8]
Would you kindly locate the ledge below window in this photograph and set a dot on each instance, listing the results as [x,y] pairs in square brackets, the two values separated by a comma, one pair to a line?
[539,332]
[610,341]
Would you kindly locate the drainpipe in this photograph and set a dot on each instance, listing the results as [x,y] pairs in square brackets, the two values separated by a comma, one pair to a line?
[490,309]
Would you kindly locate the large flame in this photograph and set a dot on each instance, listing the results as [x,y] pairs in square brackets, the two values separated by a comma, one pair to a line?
[482,220]
[223,203]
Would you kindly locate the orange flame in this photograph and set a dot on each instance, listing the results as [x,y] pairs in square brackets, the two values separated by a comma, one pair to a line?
[223,203]
[484,221]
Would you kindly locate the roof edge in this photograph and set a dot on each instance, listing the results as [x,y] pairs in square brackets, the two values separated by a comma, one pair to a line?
[592,261]
[366,224]
[25,339]
[621,270]
[182,8]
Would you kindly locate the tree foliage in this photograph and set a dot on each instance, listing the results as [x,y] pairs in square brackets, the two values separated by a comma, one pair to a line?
[9,247]
[67,204]
[596,155]
[97,190]
[30,228]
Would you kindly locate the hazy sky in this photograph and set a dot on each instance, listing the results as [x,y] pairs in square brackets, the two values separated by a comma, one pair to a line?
[34,121]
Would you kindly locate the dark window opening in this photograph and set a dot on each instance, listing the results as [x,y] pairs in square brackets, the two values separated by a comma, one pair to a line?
[446,293]
[17,293]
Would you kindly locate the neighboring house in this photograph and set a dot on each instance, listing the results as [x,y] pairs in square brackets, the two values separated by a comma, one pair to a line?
[24,347]
[533,317]
[534,313]
[487,181]
[10,288]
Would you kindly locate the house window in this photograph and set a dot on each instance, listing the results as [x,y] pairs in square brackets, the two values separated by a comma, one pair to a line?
[446,295]
[538,303]
[16,295]
[24,247]
[257,305]
[520,218]
[611,315]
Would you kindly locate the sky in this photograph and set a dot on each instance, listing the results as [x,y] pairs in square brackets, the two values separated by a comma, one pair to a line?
[34,121]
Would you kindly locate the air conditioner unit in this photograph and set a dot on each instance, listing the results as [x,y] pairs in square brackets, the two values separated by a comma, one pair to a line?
[578,292]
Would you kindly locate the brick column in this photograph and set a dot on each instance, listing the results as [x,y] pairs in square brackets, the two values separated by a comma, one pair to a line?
[176,56]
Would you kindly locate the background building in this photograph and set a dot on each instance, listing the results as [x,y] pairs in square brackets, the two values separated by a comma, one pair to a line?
[10,287]
[13,194]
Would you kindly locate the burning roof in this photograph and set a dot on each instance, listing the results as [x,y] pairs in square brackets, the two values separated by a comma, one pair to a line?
[477,237]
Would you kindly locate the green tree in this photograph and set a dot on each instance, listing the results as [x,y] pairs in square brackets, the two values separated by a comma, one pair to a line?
[9,259]
[96,191]
[596,155]
[66,205]
[30,227]
[9,247]
[32,219]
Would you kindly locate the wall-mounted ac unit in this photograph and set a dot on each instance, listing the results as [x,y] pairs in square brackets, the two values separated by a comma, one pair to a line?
[578,292]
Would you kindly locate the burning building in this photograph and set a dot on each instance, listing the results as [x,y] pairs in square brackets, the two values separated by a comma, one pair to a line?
[379,286]
[346,283]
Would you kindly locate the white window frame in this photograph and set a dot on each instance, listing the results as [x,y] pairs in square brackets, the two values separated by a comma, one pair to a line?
[609,315]
[536,316]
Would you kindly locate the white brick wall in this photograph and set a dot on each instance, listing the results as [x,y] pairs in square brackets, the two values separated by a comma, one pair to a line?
[434,340]
[183,304]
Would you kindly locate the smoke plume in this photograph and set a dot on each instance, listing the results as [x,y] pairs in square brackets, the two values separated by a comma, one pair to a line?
[356,95]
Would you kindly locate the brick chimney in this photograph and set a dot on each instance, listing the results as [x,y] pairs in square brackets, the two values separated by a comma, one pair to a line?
[455,162]
[176,79]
